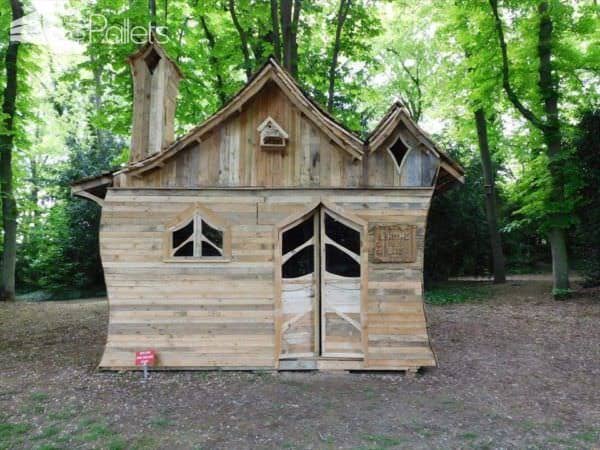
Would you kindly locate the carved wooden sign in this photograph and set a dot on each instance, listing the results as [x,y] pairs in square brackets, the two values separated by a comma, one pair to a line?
[395,243]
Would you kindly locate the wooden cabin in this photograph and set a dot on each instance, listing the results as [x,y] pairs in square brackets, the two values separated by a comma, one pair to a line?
[269,237]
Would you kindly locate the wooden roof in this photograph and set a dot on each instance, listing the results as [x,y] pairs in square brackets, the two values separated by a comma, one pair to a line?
[271,71]
[346,139]
[399,114]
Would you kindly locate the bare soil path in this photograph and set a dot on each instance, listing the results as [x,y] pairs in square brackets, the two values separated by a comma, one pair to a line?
[516,370]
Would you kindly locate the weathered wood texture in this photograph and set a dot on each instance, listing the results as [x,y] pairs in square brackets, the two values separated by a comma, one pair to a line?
[155,95]
[231,155]
[225,314]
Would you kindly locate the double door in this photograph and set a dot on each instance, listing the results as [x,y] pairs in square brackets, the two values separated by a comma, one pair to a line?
[321,287]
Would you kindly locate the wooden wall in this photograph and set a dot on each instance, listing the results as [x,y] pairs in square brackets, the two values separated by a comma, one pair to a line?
[224,314]
[230,155]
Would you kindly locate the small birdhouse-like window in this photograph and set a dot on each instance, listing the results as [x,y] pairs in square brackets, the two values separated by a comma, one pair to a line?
[272,136]
[152,59]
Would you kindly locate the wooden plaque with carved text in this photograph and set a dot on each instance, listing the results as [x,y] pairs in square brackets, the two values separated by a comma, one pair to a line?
[395,243]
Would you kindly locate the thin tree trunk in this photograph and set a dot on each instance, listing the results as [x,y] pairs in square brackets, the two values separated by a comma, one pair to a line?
[286,32]
[415,104]
[97,99]
[275,25]
[289,13]
[294,38]
[213,61]
[560,261]
[341,18]
[490,197]
[152,8]
[9,205]
[550,129]
[243,39]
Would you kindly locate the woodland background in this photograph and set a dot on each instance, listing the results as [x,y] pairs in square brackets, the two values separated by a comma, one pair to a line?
[443,59]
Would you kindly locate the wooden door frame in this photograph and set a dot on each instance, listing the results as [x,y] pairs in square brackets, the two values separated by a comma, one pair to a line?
[322,316]
[357,223]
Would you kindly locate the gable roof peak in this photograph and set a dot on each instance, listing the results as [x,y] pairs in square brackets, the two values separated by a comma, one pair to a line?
[153,44]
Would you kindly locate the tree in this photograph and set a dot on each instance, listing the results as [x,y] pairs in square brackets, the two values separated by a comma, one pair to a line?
[474,79]
[549,124]
[9,205]
[490,197]
[243,39]
[337,44]
[290,17]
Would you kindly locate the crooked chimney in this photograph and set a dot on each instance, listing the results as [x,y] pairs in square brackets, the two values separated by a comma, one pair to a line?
[155,87]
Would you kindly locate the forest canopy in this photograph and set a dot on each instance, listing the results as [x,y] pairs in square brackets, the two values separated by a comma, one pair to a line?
[509,89]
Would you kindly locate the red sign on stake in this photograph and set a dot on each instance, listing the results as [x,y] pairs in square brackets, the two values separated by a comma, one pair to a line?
[145,358]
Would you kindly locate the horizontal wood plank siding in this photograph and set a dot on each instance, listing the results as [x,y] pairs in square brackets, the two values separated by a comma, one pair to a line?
[222,314]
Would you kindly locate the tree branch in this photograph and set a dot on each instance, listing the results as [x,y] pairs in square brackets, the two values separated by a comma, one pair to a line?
[510,93]
[341,19]
[213,60]
[275,25]
[243,38]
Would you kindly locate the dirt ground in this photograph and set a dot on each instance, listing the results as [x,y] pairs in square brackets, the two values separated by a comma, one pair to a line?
[517,370]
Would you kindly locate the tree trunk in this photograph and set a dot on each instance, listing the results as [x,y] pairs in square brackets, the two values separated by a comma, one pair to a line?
[341,18]
[152,9]
[490,197]
[294,38]
[286,32]
[290,17]
[553,139]
[9,205]
[551,130]
[560,261]
[243,40]
[220,85]
[275,25]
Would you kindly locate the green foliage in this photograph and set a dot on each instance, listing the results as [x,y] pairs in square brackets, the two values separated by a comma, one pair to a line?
[441,58]
[451,248]
[587,232]
[450,293]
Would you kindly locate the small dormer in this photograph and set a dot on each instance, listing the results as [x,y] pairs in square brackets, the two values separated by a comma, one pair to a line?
[272,135]
[155,80]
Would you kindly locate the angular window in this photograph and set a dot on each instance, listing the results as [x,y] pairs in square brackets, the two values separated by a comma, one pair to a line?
[298,250]
[398,152]
[196,238]
[152,59]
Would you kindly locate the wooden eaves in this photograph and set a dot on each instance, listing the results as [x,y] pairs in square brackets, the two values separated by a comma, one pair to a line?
[389,123]
[93,188]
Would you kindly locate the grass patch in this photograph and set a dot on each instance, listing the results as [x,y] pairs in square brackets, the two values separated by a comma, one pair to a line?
[469,436]
[451,293]
[11,430]
[93,431]
[38,397]
[117,443]
[48,432]
[143,443]
[160,422]
[588,436]
[64,414]
[381,441]
[60,295]
[12,434]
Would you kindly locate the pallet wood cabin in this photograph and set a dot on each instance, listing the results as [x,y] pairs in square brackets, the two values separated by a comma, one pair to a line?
[269,236]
